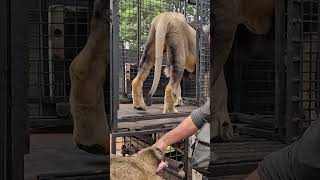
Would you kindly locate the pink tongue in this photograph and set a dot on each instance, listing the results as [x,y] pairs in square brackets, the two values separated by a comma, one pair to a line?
[162,166]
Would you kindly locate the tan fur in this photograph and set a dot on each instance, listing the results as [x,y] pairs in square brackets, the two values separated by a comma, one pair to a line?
[168,31]
[87,75]
[140,166]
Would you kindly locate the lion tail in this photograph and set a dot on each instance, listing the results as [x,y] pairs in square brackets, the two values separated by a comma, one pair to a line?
[161,31]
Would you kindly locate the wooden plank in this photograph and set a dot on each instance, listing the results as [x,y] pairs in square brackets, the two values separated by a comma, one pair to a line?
[246,144]
[241,149]
[242,155]
[257,132]
[234,169]
[259,121]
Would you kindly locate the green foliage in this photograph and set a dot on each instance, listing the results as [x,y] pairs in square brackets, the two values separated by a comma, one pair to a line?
[149,9]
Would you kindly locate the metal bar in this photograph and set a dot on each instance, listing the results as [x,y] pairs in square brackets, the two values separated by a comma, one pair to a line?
[185,8]
[186,158]
[198,88]
[154,116]
[113,144]
[19,55]
[114,75]
[131,133]
[4,35]
[139,30]
[294,64]
[280,93]
[317,61]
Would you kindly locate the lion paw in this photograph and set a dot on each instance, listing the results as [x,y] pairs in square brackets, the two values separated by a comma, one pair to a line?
[169,110]
[179,102]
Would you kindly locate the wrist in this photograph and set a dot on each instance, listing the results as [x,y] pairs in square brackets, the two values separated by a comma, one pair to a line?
[162,145]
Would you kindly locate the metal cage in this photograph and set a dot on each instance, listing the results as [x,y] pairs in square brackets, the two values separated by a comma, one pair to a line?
[131,23]
[203,66]
[303,59]
[59,31]
[277,75]
[131,36]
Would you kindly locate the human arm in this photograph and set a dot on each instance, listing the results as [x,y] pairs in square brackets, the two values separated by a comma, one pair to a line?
[186,128]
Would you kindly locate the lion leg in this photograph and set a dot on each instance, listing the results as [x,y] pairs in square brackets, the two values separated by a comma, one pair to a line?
[170,96]
[222,124]
[179,101]
[137,85]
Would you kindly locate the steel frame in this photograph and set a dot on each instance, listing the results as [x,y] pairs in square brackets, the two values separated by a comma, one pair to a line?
[4,54]
[14,123]
[303,55]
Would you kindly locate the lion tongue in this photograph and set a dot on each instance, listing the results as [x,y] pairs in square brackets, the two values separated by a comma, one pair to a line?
[162,166]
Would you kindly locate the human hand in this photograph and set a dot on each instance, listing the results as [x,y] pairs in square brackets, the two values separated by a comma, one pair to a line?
[161,145]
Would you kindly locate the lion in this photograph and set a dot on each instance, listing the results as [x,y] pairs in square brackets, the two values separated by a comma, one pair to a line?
[87,74]
[169,31]
[139,166]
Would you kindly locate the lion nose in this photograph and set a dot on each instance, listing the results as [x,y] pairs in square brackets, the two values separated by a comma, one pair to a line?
[93,149]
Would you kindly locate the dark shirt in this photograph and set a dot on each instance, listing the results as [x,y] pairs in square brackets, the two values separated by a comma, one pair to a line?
[298,161]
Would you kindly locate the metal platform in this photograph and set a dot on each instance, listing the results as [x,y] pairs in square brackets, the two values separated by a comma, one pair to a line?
[129,118]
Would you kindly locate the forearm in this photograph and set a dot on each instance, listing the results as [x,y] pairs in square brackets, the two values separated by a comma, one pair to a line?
[184,130]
